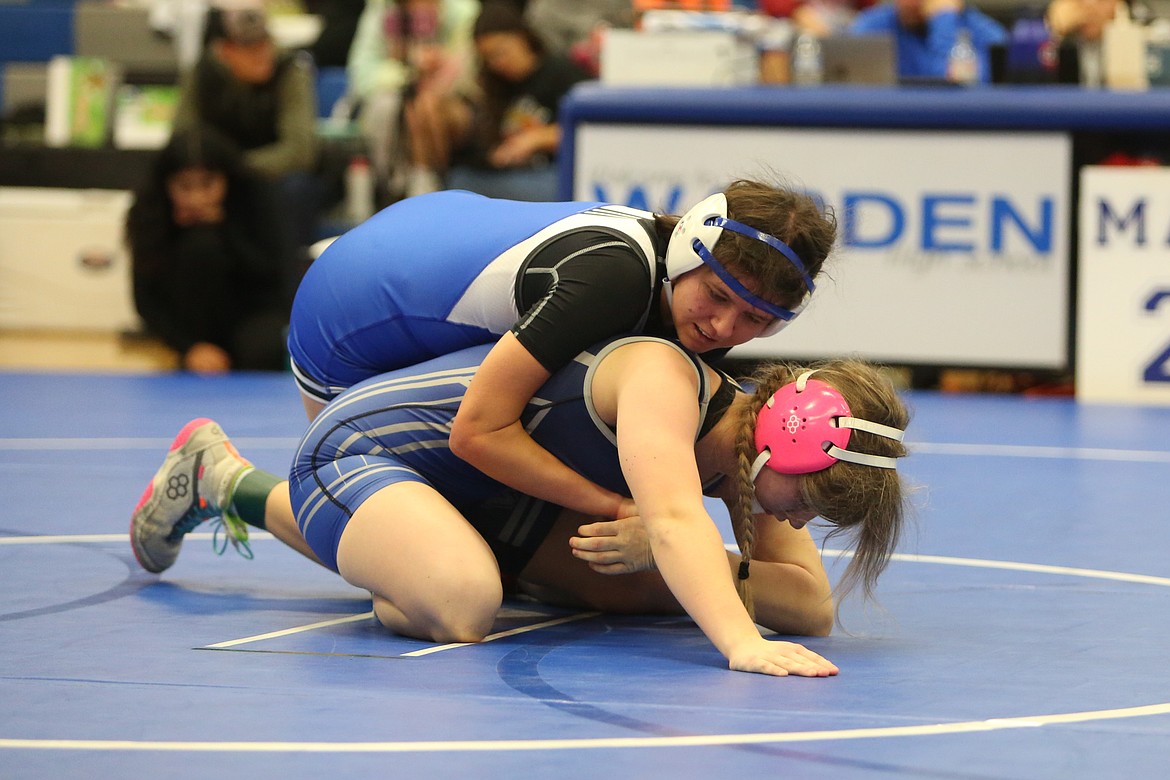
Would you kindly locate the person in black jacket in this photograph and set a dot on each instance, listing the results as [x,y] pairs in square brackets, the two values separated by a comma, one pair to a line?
[264,99]
[209,249]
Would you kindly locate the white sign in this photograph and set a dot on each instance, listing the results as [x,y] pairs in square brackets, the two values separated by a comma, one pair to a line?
[1123,286]
[953,245]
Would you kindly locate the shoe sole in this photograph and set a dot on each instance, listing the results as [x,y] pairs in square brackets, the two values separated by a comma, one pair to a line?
[181,439]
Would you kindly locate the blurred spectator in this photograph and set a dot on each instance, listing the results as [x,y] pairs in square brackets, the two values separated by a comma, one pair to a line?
[819,17]
[208,251]
[514,135]
[1082,19]
[573,29]
[414,53]
[1081,23]
[925,32]
[265,101]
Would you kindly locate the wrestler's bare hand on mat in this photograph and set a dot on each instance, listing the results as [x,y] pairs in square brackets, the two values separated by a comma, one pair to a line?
[765,656]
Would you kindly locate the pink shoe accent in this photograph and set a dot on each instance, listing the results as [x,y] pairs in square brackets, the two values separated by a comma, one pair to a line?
[185,434]
[146,494]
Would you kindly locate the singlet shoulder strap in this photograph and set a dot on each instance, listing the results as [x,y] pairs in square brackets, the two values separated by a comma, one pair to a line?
[704,395]
[720,402]
[719,405]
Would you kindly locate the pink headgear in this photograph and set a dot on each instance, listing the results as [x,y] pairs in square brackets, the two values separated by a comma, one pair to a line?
[805,426]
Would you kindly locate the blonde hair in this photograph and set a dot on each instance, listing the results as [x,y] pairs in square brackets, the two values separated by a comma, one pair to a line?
[795,218]
[866,501]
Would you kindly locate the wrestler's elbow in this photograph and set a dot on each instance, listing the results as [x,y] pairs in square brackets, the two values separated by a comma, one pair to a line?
[483,445]
[466,441]
[820,618]
[798,603]
[798,620]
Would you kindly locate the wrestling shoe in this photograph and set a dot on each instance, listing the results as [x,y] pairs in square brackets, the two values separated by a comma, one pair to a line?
[194,484]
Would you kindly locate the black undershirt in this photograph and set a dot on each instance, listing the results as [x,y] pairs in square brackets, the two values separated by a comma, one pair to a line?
[583,287]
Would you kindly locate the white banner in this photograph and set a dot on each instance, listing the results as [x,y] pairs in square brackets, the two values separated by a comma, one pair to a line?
[953,245]
[1123,286]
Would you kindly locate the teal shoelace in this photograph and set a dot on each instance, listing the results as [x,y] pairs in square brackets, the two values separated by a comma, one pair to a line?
[227,527]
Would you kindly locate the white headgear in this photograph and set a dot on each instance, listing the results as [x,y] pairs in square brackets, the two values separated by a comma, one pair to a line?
[693,239]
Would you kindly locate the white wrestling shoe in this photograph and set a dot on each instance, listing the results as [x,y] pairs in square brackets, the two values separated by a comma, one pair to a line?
[194,484]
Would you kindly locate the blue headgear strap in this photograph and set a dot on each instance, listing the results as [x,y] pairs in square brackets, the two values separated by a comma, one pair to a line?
[737,287]
[770,240]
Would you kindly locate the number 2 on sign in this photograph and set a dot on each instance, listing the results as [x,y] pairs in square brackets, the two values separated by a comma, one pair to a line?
[1156,369]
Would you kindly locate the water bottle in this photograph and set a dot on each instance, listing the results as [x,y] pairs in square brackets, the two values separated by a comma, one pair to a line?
[963,63]
[1123,52]
[808,65]
[359,191]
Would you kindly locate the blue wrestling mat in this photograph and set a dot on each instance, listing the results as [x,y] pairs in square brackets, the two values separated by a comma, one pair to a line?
[1020,633]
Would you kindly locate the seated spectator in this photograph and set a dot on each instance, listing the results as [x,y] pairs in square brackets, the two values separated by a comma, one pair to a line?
[1081,23]
[264,100]
[925,31]
[415,53]
[513,135]
[208,250]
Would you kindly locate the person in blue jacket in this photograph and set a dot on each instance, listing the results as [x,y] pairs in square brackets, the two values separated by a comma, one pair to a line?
[926,31]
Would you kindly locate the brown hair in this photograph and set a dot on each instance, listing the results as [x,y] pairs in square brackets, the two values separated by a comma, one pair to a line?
[864,500]
[795,218]
[498,93]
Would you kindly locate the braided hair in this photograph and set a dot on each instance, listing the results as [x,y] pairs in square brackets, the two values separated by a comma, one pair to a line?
[865,501]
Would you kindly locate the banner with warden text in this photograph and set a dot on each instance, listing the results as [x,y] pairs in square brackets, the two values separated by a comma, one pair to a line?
[953,246]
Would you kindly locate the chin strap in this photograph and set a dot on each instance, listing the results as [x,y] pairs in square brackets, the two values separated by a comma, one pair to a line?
[863,458]
[852,456]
